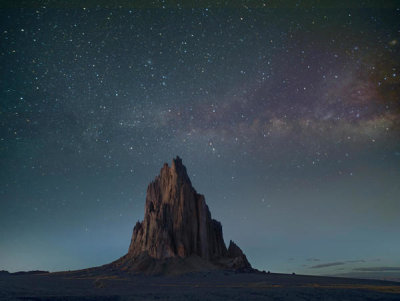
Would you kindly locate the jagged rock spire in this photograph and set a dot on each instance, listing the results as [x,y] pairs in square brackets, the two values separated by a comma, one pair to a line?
[177,225]
[177,221]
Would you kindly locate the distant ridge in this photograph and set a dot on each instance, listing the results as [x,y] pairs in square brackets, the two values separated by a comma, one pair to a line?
[35,272]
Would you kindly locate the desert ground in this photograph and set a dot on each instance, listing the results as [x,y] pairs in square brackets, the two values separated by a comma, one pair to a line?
[216,285]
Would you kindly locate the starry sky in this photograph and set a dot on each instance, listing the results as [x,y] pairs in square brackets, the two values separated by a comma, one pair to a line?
[285,115]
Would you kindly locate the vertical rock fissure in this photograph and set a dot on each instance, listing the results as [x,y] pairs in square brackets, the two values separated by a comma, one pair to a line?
[178,223]
[198,243]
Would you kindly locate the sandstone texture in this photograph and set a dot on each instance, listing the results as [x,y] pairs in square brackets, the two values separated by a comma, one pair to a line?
[178,233]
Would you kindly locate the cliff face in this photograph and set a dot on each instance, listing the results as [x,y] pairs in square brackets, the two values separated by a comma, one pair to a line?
[177,221]
[177,230]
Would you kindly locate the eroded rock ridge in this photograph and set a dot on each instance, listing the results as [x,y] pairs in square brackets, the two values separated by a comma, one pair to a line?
[178,228]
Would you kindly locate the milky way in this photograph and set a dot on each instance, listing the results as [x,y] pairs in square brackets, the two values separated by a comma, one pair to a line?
[287,119]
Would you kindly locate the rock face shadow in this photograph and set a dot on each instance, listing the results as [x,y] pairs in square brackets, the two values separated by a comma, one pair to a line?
[178,234]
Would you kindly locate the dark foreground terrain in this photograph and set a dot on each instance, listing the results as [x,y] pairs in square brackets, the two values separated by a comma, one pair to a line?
[217,285]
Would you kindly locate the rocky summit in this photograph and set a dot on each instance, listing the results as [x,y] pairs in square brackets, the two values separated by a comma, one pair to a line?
[178,234]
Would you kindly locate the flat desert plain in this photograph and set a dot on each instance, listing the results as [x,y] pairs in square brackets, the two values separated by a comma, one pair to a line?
[216,285]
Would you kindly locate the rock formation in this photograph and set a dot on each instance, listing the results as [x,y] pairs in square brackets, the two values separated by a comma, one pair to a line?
[177,233]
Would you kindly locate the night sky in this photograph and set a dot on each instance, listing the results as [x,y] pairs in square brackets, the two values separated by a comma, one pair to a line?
[287,118]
